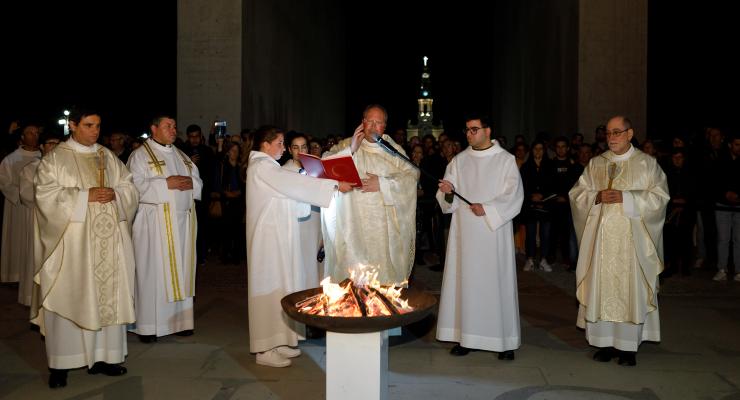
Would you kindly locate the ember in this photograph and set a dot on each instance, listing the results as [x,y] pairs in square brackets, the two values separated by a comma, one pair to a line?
[358,296]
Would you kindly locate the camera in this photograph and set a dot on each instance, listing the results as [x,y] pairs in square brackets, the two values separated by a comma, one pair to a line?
[219,129]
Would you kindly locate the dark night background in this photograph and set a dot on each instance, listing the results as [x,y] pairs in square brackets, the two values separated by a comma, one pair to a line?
[123,59]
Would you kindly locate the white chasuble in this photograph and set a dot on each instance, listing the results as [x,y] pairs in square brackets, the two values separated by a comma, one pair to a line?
[621,249]
[164,235]
[14,254]
[479,307]
[26,186]
[86,269]
[373,228]
[275,262]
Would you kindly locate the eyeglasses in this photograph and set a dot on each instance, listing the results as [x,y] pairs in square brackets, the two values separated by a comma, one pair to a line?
[616,132]
[473,129]
[374,122]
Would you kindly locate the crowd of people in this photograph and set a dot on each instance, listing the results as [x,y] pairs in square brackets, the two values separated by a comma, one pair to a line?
[105,233]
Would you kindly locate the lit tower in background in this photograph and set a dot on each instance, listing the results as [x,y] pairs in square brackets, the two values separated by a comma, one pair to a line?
[425,116]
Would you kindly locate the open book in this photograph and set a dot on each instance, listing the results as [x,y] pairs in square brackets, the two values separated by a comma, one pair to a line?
[339,167]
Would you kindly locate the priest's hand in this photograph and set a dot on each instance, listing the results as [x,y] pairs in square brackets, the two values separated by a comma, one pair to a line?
[186,183]
[100,195]
[609,196]
[477,209]
[371,184]
[179,182]
[357,138]
[445,187]
[345,187]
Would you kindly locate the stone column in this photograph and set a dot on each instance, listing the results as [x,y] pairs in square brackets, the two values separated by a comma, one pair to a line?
[209,63]
[612,63]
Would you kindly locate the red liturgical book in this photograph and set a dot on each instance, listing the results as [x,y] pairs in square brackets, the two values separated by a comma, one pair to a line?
[337,167]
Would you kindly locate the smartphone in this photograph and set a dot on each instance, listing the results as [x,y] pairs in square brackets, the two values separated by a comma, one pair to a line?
[219,129]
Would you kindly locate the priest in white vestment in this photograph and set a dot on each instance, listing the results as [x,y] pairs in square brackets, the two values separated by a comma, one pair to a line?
[27,196]
[85,202]
[618,207]
[479,307]
[275,263]
[309,225]
[164,234]
[14,255]
[374,225]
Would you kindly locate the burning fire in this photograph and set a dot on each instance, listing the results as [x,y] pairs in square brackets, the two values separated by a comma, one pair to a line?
[360,295]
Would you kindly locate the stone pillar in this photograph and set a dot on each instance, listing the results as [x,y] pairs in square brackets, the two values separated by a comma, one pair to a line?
[612,63]
[209,63]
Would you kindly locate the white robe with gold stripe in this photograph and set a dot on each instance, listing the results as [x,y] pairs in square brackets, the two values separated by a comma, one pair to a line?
[164,236]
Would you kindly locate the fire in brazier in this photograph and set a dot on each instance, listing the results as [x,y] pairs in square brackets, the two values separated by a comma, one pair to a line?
[360,295]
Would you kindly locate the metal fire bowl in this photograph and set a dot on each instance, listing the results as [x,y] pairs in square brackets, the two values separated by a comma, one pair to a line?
[420,301]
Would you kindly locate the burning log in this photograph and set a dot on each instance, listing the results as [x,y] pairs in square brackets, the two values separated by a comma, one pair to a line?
[347,299]
[392,308]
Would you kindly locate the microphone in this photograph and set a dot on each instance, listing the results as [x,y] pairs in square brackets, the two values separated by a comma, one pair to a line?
[390,149]
[384,143]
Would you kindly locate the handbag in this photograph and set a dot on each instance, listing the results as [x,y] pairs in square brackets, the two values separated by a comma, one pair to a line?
[214,209]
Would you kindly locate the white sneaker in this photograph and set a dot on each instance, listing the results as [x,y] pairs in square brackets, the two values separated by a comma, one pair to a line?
[272,358]
[529,265]
[545,266]
[721,276]
[288,352]
[737,277]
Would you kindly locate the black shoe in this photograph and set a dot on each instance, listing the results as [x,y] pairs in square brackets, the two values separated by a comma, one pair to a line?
[628,358]
[506,355]
[186,332]
[147,338]
[460,351]
[57,378]
[107,369]
[605,354]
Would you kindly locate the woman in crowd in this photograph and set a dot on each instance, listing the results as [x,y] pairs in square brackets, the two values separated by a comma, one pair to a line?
[229,189]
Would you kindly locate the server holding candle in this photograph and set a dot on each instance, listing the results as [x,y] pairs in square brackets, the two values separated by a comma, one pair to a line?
[478,307]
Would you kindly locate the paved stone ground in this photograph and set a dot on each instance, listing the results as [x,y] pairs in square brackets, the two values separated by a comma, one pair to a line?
[699,357]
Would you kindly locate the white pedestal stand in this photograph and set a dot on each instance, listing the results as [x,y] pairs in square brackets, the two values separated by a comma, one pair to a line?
[357,366]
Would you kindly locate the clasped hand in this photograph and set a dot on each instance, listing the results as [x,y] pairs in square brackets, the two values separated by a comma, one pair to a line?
[371,184]
[100,195]
[179,182]
[609,196]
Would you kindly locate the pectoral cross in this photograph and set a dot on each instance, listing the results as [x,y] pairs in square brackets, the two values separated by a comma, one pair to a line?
[101,168]
[157,165]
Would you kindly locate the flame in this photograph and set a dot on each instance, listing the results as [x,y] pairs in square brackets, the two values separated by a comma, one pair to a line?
[360,295]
